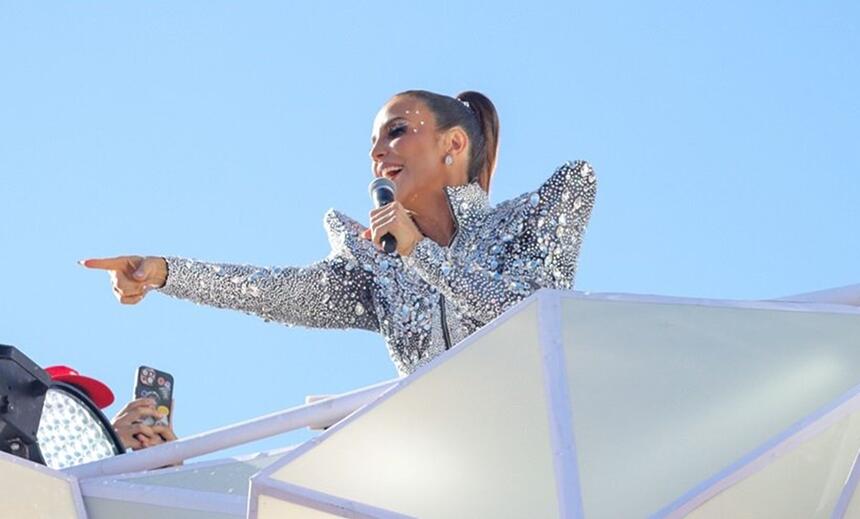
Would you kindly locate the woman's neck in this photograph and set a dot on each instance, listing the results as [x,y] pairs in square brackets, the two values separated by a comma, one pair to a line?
[433,217]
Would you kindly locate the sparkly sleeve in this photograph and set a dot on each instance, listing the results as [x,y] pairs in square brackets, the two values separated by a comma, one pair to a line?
[327,294]
[535,246]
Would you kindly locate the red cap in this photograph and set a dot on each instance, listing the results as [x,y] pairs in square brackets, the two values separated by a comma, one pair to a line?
[99,393]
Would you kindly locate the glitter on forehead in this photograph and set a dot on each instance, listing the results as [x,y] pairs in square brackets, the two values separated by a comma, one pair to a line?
[426,302]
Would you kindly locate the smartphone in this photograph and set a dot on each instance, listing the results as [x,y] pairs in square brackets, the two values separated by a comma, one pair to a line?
[157,385]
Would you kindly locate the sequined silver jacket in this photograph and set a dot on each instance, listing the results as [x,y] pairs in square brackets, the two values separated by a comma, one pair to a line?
[424,303]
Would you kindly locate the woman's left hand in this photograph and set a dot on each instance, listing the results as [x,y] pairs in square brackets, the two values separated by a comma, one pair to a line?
[395,219]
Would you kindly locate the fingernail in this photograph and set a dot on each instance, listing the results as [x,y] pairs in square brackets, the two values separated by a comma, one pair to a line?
[82,263]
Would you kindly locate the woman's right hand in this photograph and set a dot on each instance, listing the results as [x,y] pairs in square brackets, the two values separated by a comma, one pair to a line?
[132,276]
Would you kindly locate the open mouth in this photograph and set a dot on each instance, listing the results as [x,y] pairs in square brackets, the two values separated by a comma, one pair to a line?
[392,172]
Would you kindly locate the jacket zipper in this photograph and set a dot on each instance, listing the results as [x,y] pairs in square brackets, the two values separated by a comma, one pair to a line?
[445,334]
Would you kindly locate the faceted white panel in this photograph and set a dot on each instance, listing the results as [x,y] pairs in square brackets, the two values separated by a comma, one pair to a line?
[666,394]
[853,509]
[36,492]
[225,477]
[803,483]
[467,438]
[271,508]
[98,508]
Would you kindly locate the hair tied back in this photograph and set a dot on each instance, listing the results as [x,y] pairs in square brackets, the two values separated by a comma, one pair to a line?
[480,122]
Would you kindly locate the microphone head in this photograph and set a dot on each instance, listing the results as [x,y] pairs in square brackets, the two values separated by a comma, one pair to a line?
[381,183]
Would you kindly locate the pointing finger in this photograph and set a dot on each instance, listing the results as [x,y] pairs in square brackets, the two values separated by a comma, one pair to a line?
[117,263]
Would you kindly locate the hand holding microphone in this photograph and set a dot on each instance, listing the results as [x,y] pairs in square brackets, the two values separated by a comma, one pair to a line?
[391,226]
[382,194]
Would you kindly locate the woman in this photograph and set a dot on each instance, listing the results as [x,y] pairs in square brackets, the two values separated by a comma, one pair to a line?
[459,262]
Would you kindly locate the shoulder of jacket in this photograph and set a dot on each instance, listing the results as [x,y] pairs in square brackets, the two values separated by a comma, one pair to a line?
[569,174]
[344,236]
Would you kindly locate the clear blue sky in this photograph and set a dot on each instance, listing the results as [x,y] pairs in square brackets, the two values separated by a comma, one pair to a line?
[725,136]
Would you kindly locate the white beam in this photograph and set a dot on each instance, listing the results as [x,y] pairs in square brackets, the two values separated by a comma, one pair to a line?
[331,409]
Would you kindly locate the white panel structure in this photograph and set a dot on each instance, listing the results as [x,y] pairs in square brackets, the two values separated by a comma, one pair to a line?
[568,406]
[271,507]
[852,508]
[801,477]
[129,509]
[213,489]
[468,436]
[671,392]
[37,492]
[639,407]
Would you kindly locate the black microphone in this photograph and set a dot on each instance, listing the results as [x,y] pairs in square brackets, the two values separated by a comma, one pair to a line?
[382,194]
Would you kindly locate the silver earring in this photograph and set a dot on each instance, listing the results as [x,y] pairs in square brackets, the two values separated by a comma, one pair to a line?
[449,160]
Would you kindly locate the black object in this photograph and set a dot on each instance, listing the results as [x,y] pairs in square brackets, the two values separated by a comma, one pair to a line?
[23,385]
[382,194]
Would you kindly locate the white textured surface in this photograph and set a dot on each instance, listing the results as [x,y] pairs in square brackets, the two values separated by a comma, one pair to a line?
[271,508]
[666,395]
[853,510]
[33,492]
[99,508]
[468,438]
[803,483]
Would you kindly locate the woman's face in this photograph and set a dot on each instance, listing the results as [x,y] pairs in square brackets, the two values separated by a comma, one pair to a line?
[406,148]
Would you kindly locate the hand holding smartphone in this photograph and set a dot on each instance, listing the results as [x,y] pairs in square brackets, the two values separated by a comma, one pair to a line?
[157,385]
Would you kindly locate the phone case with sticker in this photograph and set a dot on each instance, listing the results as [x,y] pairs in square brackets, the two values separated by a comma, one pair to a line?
[157,385]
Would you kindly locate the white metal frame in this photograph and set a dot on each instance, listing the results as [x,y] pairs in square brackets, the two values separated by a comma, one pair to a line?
[330,409]
[562,438]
